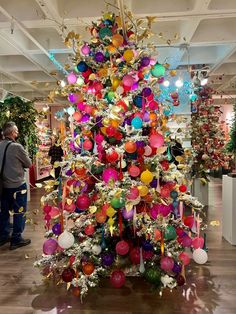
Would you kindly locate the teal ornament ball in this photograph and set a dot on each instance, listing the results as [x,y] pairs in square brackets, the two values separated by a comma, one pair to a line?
[137,123]
[170,233]
[158,70]
[105,32]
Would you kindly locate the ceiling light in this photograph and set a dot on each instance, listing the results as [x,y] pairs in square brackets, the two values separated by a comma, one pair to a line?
[179,83]
[166,83]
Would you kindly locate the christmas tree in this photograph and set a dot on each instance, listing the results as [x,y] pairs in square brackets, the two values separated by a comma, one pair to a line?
[122,206]
[231,145]
[208,138]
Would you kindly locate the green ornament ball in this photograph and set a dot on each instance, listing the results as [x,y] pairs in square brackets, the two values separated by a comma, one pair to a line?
[170,233]
[117,202]
[158,70]
[153,275]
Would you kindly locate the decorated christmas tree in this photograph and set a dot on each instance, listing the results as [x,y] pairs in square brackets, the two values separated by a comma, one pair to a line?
[208,138]
[231,145]
[122,207]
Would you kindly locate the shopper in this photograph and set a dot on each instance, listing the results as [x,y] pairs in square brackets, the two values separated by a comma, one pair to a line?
[14,195]
[56,154]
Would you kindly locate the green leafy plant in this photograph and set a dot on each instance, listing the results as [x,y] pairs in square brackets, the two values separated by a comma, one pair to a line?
[24,115]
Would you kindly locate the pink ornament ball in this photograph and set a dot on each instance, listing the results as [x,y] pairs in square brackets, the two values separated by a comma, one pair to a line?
[70,207]
[134,171]
[83,201]
[167,263]
[184,257]
[87,144]
[122,247]
[133,193]
[117,278]
[85,50]
[128,80]
[71,78]
[198,243]
[50,246]
[109,174]
[156,140]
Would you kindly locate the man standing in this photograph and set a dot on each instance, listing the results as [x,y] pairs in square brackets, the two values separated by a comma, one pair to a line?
[14,195]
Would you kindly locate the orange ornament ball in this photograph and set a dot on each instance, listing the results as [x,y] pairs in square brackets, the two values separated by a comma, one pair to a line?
[77,116]
[130,147]
[153,116]
[76,291]
[117,40]
[88,268]
[100,217]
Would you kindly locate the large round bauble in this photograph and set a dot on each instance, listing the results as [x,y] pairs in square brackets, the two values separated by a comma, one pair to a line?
[184,257]
[200,256]
[133,193]
[82,66]
[100,217]
[71,78]
[158,70]
[85,49]
[50,246]
[128,80]
[112,157]
[153,275]
[66,240]
[137,123]
[198,243]
[117,202]
[107,259]
[189,221]
[167,263]
[109,174]
[143,190]
[88,268]
[145,61]
[89,230]
[146,176]
[87,144]
[105,32]
[177,268]
[99,57]
[56,229]
[170,233]
[146,91]
[156,140]
[135,255]
[96,249]
[117,40]
[117,278]
[68,274]
[122,247]
[83,201]
[128,55]
[134,171]
[76,291]
[138,101]
[147,245]
[130,147]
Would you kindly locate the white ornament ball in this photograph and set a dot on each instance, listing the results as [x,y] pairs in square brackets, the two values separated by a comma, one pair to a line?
[66,240]
[200,256]
[96,249]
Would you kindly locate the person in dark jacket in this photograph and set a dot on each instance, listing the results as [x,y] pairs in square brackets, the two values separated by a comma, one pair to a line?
[56,154]
[14,196]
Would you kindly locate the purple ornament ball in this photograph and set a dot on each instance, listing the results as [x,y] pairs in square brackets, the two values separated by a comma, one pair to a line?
[107,259]
[50,246]
[56,229]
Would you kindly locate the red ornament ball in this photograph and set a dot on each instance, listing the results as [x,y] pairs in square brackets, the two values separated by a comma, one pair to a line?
[117,278]
[68,274]
[89,230]
[182,188]
[122,248]
[83,201]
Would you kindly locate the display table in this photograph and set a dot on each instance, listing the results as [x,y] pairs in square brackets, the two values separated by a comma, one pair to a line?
[201,191]
[229,209]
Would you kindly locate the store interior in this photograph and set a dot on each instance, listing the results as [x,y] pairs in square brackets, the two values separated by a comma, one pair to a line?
[182,54]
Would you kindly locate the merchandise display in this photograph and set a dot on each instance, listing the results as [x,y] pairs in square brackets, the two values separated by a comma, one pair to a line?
[122,207]
[43,165]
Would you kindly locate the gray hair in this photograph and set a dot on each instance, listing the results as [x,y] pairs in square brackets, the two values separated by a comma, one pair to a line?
[8,128]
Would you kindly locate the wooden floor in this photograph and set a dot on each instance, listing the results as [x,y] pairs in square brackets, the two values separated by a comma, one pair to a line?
[210,288]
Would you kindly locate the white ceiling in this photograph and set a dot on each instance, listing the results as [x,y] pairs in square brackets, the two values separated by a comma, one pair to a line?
[30,30]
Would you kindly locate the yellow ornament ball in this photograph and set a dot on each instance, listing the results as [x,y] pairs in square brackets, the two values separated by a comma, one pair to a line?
[143,190]
[115,83]
[146,176]
[128,55]
[117,40]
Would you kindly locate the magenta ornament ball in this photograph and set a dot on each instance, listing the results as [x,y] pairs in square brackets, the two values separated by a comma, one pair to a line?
[167,263]
[50,246]
[122,247]
[117,278]
[109,174]
[71,78]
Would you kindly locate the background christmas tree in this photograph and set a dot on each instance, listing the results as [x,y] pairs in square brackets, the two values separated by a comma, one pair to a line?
[122,207]
[231,145]
[208,138]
